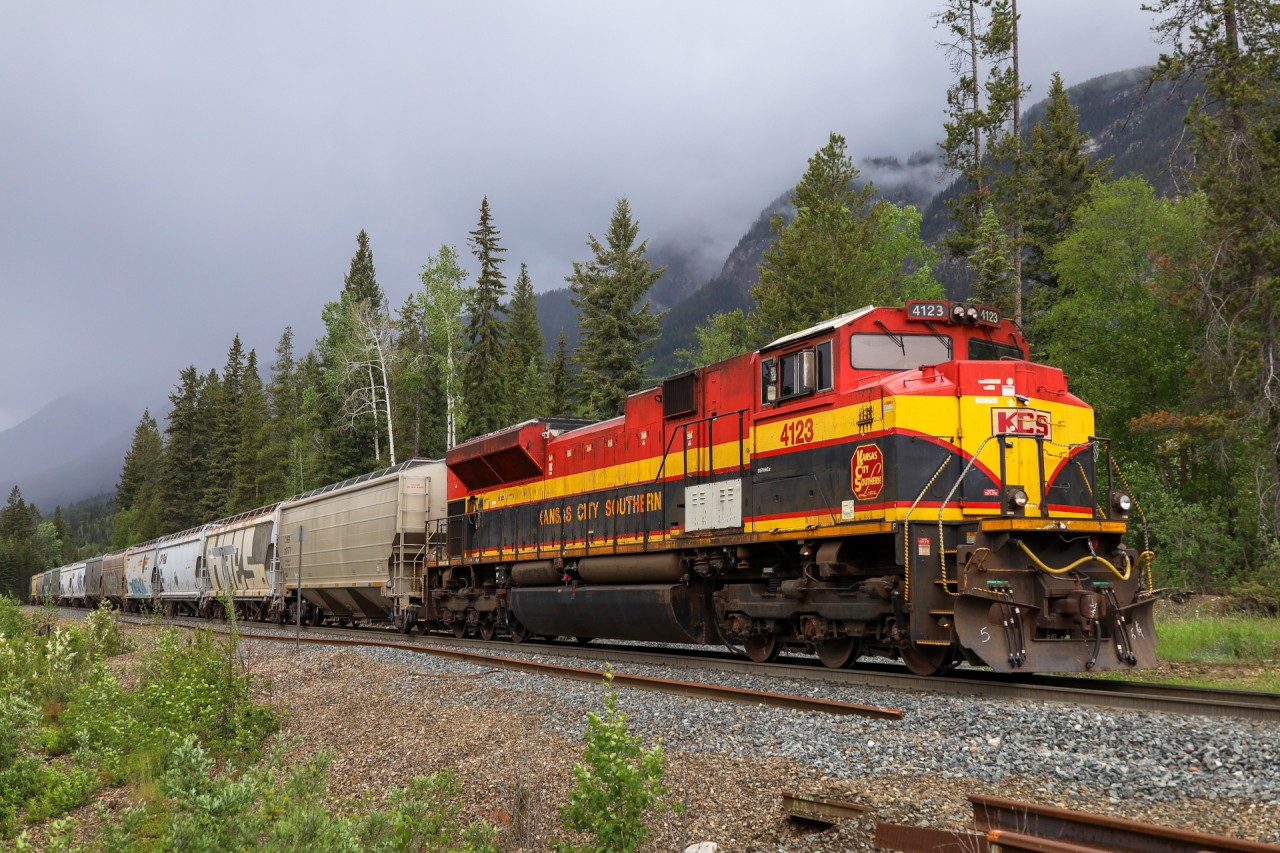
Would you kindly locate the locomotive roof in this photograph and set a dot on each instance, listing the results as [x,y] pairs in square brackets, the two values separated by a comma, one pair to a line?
[824,326]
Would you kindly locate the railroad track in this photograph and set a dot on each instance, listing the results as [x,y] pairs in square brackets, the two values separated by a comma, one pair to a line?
[1011,826]
[1086,692]
[665,685]
[1090,692]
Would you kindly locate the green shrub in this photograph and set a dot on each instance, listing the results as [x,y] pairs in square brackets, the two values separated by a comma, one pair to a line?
[425,816]
[102,634]
[194,685]
[615,784]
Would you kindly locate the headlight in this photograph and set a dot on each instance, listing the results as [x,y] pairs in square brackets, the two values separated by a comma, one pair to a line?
[1121,503]
[1015,500]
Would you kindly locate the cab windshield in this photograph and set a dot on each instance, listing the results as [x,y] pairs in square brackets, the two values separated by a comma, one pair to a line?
[897,352]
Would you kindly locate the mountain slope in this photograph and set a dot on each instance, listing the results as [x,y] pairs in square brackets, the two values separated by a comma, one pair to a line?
[1137,127]
[71,449]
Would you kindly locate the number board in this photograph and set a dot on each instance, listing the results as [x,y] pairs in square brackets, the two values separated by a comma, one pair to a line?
[988,316]
[928,311]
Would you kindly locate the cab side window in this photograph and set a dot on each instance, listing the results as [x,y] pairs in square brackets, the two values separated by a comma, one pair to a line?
[796,374]
[768,381]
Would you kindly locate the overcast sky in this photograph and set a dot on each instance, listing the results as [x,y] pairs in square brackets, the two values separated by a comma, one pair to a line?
[172,173]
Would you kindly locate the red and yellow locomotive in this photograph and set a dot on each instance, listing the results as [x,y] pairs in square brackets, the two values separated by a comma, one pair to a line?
[895,481]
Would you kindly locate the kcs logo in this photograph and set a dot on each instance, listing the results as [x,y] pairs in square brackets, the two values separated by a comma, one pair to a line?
[867,472]
[1021,422]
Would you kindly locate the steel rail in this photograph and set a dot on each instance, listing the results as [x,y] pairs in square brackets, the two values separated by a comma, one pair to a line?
[1015,825]
[680,688]
[975,683]
[1100,693]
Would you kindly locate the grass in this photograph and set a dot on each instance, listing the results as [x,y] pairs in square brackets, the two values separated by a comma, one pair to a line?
[1232,651]
[1220,639]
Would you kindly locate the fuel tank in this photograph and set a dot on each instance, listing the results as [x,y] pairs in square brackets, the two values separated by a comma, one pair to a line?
[658,613]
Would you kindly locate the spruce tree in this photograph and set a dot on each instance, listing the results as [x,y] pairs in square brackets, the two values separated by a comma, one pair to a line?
[253,475]
[485,377]
[184,464]
[361,280]
[845,248]
[966,126]
[62,529]
[991,261]
[524,351]
[137,494]
[616,324]
[17,524]
[284,405]
[411,379]
[1060,176]
[222,405]
[559,384]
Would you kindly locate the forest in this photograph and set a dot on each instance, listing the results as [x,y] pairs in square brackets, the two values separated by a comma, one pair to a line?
[1164,309]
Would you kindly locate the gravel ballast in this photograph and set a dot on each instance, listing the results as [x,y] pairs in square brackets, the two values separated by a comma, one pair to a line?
[386,715]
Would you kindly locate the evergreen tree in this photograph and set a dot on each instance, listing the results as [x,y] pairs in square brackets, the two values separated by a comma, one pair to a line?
[184,465]
[1005,90]
[845,248]
[559,385]
[307,467]
[991,261]
[361,281]
[254,478]
[616,326]
[1060,176]
[137,494]
[412,379]
[284,405]
[19,558]
[62,530]
[222,405]
[524,351]
[485,378]
[966,126]
[17,524]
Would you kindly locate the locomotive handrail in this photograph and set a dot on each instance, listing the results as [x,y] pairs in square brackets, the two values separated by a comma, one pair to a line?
[1042,485]
[683,429]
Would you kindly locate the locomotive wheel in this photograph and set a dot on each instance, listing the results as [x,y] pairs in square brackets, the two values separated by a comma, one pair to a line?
[762,649]
[837,654]
[460,630]
[583,641]
[488,629]
[406,624]
[926,660]
[518,632]
[317,617]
